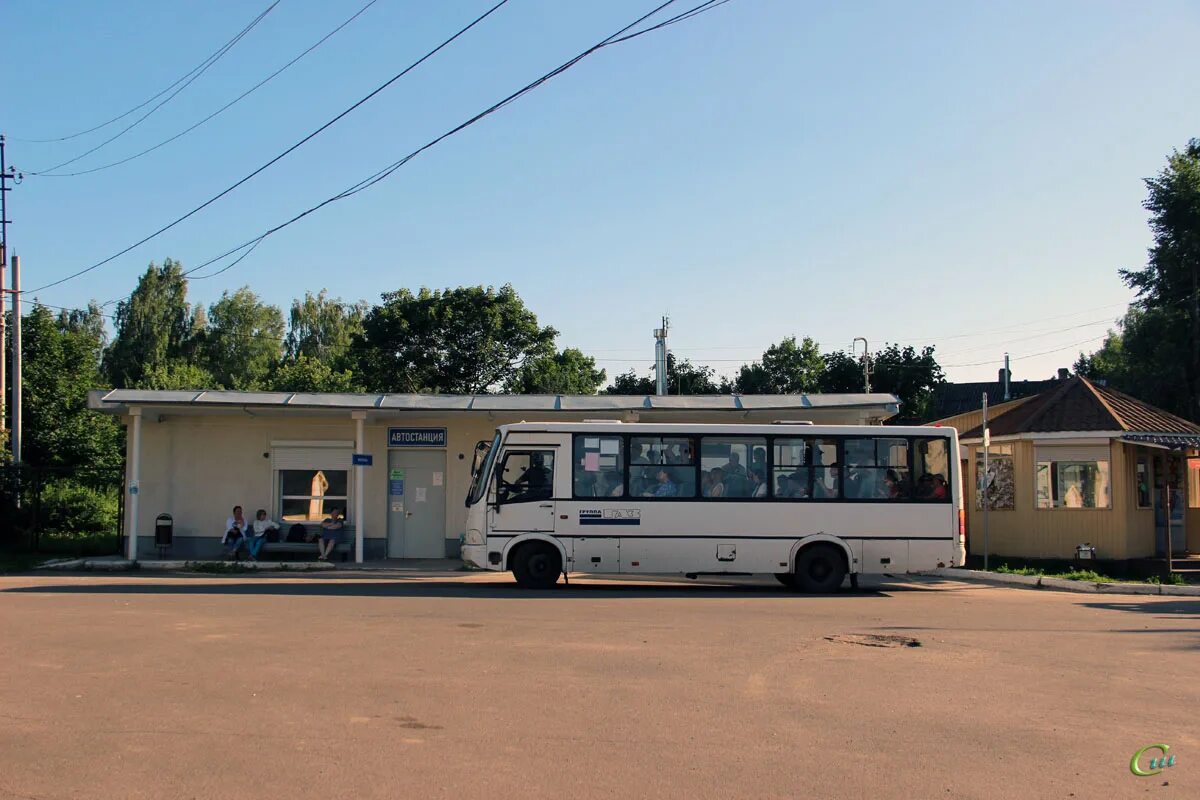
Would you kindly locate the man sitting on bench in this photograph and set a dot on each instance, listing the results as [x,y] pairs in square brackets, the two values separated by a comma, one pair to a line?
[263,526]
[331,531]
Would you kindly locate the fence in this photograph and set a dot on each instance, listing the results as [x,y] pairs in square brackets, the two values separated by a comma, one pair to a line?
[75,512]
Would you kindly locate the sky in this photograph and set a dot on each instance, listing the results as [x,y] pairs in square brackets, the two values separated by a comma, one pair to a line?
[962,175]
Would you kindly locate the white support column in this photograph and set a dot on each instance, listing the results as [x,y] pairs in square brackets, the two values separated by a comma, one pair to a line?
[135,477]
[360,446]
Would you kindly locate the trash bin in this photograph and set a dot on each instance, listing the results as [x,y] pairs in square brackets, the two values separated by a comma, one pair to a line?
[164,530]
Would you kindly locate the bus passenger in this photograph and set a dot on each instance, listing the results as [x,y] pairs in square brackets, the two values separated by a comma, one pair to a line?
[892,488]
[758,487]
[716,487]
[781,486]
[734,466]
[610,484]
[665,487]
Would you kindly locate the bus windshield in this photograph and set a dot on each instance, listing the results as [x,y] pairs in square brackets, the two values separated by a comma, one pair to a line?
[481,465]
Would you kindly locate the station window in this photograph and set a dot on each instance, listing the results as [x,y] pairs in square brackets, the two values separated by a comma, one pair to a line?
[308,495]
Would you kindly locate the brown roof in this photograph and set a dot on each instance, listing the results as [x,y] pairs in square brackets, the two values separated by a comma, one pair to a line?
[1080,405]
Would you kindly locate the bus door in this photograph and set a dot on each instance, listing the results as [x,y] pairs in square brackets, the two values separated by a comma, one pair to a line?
[522,495]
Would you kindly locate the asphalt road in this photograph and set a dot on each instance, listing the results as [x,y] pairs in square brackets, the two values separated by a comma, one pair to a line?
[462,686]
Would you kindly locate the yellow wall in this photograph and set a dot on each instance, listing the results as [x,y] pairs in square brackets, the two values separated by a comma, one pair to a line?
[1118,532]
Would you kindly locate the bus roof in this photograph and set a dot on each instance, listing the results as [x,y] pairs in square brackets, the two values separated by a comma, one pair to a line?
[777,428]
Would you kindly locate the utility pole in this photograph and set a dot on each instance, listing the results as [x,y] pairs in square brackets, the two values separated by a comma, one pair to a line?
[5,176]
[16,359]
[987,488]
[660,357]
[866,362]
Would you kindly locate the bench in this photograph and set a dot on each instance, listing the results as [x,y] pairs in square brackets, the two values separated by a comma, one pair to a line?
[344,547]
[341,548]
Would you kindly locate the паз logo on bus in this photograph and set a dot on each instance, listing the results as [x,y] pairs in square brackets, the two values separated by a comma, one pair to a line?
[610,516]
[1156,764]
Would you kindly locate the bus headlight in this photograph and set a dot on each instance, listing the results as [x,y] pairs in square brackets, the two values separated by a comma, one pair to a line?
[473,536]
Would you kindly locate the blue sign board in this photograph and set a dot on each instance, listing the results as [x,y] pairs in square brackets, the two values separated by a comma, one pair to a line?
[396,488]
[416,437]
[361,459]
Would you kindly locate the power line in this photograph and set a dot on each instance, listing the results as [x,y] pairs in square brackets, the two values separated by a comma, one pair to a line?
[622,35]
[216,54]
[229,46]
[280,156]
[220,110]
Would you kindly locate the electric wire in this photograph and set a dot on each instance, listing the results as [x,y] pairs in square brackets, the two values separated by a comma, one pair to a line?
[166,100]
[122,116]
[220,110]
[281,155]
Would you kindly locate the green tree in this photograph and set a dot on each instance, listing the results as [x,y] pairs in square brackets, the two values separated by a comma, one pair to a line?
[786,368]
[152,328]
[59,366]
[466,340]
[904,371]
[177,375]
[683,377]
[566,372]
[310,374]
[321,328]
[244,341]
[86,321]
[1156,352]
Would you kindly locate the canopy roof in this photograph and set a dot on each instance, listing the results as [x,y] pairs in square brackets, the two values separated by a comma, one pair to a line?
[120,401]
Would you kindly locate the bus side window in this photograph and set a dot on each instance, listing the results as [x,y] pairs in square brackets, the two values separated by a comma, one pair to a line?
[599,466]
[525,477]
[932,468]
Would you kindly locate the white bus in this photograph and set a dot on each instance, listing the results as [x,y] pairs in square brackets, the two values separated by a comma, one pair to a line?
[809,504]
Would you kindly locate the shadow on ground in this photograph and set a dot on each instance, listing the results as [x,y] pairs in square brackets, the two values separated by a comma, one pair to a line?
[410,587]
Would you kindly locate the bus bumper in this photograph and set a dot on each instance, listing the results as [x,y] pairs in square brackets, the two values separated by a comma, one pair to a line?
[475,555]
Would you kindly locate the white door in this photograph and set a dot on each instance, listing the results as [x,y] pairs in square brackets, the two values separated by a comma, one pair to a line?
[522,494]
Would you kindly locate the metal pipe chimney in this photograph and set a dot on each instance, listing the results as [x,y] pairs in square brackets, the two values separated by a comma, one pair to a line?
[660,357]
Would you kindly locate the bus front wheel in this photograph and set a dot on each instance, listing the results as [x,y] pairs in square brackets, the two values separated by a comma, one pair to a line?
[537,565]
[820,569]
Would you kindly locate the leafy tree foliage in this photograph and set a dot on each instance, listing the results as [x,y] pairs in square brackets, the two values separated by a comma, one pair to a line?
[244,340]
[321,328]
[683,377]
[906,372]
[466,340]
[154,327]
[566,372]
[786,368]
[60,365]
[311,374]
[1155,354]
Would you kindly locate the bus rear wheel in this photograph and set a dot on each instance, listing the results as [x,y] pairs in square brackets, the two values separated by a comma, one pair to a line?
[537,565]
[820,569]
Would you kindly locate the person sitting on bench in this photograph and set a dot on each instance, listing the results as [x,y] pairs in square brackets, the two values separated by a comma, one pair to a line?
[331,530]
[235,532]
[263,526]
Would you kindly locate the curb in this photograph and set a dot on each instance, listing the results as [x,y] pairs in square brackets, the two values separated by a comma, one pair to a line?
[1061,584]
[121,565]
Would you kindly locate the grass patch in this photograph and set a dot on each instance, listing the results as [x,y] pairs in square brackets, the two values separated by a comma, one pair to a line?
[1007,570]
[19,562]
[216,567]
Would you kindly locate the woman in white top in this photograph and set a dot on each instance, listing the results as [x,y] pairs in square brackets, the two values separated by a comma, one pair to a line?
[235,532]
[262,526]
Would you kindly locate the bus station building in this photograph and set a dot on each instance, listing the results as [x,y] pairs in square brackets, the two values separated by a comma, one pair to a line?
[398,464]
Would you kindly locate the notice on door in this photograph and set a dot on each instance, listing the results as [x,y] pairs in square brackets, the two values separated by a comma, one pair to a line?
[420,498]
[437,479]
[396,483]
